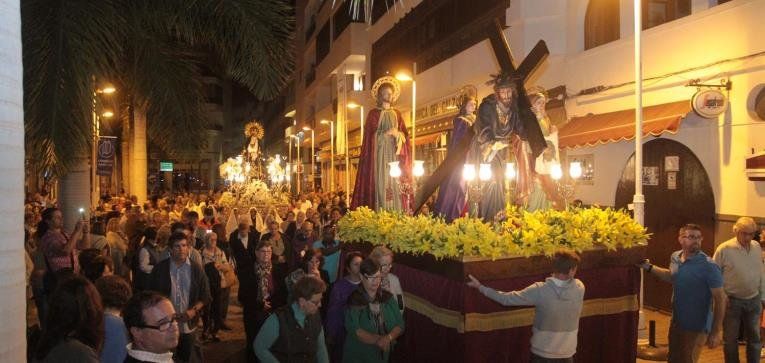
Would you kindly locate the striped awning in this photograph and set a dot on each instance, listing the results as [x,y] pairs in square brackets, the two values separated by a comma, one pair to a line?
[616,126]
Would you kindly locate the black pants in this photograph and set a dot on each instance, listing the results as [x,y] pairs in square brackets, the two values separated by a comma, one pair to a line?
[253,319]
[537,359]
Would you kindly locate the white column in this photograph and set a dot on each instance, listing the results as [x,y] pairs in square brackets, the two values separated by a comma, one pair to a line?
[139,171]
[12,269]
[74,192]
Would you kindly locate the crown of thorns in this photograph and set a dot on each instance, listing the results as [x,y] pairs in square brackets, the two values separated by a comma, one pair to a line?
[503,79]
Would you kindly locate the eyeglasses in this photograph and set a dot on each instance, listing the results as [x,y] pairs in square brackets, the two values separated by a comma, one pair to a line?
[387,265]
[695,237]
[164,325]
[372,278]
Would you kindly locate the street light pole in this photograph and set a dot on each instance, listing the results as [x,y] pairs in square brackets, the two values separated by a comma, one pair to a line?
[313,157]
[331,153]
[96,128]
[299,164]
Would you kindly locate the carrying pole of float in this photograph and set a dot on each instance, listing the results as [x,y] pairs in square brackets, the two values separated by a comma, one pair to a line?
[638,200]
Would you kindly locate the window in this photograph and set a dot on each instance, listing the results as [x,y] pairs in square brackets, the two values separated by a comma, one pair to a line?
[601,23]
[657,12]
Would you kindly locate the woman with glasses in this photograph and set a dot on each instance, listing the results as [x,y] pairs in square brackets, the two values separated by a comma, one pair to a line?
[384,257]
[372,319]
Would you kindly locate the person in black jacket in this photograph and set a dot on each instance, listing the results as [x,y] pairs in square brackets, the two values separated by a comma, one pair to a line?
[188,290]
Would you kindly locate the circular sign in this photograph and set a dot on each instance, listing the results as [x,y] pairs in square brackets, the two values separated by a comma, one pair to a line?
[106,150]
[759,104]
[709,103]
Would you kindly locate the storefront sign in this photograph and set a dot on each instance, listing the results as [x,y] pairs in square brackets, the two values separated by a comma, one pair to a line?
[444,106]
[106,152]
[709,103]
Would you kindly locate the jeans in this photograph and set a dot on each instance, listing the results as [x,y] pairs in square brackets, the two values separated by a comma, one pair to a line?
[746,311]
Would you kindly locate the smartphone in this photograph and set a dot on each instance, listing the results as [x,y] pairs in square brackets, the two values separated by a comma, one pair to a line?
[82,213]
[208,231]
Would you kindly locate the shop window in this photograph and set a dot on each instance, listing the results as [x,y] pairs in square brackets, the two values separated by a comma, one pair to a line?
[601,23]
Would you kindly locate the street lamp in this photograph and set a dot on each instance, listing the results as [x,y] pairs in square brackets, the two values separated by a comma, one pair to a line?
[313,156]
[331,153]
[405,77]
[353,105]
[299,162]
[108,89]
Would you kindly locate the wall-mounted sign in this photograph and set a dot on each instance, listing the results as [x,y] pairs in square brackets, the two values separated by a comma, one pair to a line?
[709,103]
[650,175]
[106,151]
[165,166]
[672,163]
[672,180]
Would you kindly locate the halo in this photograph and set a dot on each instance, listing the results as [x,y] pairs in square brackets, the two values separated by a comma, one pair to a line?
[387,79]
[254,128]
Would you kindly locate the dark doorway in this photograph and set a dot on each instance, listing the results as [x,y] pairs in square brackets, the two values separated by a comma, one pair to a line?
[667,209]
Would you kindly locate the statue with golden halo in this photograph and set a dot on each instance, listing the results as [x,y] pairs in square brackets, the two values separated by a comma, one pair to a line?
[254,132]
[386,140]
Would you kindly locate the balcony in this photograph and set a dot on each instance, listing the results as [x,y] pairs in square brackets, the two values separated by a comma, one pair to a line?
[352,43]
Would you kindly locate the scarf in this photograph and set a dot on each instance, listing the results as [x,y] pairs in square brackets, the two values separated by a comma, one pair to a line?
[263,275]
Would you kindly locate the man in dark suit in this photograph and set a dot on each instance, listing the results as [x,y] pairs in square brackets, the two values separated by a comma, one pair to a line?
[185,284]
[244,243]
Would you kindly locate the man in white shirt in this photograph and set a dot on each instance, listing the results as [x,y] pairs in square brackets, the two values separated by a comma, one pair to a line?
[740,259]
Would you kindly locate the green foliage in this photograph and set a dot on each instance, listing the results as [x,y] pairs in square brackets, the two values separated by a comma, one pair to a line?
[521,234]
[153,51]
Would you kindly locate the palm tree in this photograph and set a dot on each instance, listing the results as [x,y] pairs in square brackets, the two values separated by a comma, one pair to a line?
[154,49]
[12,302]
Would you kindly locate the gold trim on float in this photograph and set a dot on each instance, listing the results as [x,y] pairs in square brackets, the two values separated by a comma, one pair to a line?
[511,319]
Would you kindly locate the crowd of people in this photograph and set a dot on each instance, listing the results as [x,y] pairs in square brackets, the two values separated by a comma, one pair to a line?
[152,282]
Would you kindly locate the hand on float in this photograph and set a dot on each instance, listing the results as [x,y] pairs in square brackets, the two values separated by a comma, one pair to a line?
[473,282]
[645,265]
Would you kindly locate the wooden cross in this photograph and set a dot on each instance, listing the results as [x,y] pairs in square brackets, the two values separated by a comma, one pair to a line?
[455,158]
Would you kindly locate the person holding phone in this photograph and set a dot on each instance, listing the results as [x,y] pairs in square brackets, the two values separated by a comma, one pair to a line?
[384,257]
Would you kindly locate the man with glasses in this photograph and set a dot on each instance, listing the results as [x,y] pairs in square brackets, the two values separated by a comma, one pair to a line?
[696,283]
[294,332]
[186,285]
[150,320]
[740,259]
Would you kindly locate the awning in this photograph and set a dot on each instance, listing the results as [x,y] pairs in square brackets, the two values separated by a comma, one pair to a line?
[620,125]
[427,139]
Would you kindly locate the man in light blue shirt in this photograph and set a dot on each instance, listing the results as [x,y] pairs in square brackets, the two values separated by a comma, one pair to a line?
[330,249]
[294,332]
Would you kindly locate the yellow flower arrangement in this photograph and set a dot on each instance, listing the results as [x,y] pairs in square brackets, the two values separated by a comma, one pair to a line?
[522,233]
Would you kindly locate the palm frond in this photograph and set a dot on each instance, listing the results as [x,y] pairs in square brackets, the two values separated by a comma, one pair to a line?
[65,44]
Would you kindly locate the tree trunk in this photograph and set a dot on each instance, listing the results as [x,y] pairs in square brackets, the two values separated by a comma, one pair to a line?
[139,172]
[12,267]
[74,192]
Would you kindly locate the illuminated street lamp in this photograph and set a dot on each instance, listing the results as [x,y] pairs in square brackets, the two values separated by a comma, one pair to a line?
[406,77]
[331,153]
[108,89]
[313,155]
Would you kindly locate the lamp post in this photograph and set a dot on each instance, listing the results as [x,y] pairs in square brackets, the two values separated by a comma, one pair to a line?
[313,156]
[108,89]
[299,163]
[331,153]
[403,76]
[352,105]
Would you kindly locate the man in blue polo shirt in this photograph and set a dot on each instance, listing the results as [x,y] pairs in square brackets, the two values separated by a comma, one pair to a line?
[696,282]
